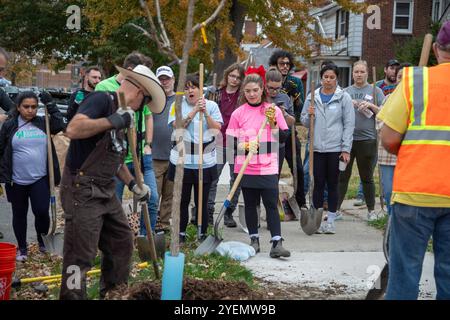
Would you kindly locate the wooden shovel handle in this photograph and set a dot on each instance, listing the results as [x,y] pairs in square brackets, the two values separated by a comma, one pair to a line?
[200,154]
[426,47]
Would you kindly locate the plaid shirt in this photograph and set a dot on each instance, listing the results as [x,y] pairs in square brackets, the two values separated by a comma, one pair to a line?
[384,157]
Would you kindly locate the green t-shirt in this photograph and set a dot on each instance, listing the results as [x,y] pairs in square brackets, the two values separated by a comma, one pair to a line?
[111,84]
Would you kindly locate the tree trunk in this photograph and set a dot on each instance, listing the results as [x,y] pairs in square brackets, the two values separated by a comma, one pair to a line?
[237,16]
[178,183]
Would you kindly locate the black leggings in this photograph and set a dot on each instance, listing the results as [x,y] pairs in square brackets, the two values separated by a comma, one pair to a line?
[270,199]
[39,195]
[186,198]
[326,170]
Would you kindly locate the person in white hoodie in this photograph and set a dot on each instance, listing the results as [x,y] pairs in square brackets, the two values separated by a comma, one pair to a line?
[333,137]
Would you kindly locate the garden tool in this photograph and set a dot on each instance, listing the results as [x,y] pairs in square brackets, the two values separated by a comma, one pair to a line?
[380,185]
[311,219]
[53,241]
[380,285]
[200,162]
[210,244]
[292,201]
[150,249]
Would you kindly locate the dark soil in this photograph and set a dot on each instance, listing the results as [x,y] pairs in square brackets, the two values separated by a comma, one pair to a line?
[194,289]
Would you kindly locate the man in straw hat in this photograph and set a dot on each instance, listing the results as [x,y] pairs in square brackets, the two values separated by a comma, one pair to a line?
[93,214]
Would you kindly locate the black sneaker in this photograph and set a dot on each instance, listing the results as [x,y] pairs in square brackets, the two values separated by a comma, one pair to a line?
[228,220]
[182,239]
[211,219]
[254,242]
[277,249]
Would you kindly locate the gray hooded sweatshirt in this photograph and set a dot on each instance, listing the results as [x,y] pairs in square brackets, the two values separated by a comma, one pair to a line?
[334,122]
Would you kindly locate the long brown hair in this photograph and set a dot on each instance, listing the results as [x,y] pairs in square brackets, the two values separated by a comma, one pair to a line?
[252,78]
[234,66]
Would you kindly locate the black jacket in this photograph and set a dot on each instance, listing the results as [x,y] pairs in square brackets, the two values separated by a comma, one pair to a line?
[5,102]
[7,132]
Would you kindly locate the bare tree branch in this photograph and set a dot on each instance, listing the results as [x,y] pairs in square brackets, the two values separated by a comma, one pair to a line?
[212,17]
[161,24]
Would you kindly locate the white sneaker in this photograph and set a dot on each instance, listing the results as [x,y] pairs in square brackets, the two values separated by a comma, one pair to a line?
[322,228]
[21,257]
[339,216]
[330,228]
[372,216]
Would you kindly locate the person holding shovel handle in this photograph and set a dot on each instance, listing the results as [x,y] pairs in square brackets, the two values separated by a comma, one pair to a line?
[24,166]
[94,218]
[260,179]
[333,126]
[192,105]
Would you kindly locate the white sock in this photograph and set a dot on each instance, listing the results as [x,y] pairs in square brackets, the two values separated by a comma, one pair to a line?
[182,233]
[254,235]
[276,238]
[331,217]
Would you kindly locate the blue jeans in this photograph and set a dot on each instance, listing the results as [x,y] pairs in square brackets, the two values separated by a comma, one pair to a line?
[411,229]
[306,175]
[387,177]
[150,181]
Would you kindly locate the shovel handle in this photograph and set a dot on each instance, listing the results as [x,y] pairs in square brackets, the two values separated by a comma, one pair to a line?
[311,139]
[51,173]
[140,181]
[200,158]
[426,47]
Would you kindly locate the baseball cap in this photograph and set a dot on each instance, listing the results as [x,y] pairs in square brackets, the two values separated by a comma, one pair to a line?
[443,37]
[392,62]
[164,71]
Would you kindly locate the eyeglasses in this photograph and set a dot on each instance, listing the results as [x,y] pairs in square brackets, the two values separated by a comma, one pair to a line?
[287,64]
[274,88]
[232,76]
[26,106]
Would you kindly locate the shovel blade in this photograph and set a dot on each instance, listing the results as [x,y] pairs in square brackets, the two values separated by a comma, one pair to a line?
[242,222]
[54,243]
[294,207]
[311,219]
[208,246]
[143,246]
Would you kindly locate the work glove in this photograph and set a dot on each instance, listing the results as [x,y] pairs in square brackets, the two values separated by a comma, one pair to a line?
[270,115]
[249,146]
[141,194]
[45,97]
[122,118]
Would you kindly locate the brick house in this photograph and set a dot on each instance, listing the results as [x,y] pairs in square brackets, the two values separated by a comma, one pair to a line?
[355,39]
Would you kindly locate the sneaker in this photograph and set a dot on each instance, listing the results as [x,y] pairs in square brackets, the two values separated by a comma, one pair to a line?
[42,249]
[254,242]
[359,203]
[21,256]
[202,237]
[277,249]
[211,219]
[329,228]
[322,228]
[372,216]
[339,216]
[228,220]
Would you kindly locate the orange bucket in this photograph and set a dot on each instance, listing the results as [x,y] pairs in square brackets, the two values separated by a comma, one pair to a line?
[7,268]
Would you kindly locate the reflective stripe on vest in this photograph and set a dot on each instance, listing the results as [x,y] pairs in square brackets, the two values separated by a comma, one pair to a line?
[422,163]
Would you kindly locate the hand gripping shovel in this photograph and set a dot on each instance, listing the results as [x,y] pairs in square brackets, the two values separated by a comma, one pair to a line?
[53,241]
[150,248]
[210,244]
[311,219]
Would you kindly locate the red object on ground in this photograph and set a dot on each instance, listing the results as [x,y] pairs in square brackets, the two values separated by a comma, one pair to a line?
[7,267]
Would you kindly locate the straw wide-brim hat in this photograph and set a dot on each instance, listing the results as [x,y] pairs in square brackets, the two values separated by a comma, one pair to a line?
[143,76]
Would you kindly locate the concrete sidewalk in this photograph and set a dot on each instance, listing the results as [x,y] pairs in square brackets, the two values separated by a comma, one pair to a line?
[350,260]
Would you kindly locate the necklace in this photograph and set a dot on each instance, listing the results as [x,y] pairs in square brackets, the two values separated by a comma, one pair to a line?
[230,96]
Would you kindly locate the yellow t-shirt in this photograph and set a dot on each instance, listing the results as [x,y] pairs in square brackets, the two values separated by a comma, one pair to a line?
[395,115]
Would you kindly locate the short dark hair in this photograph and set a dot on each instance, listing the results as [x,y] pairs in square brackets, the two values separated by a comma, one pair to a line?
[136,58]
[26,95]
[326,62]
[331,67]
[192,79]
[273,60]
[95,68]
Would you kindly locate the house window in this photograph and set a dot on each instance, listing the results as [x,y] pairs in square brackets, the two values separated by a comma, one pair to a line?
[403,16]
[440,9]
[342,22]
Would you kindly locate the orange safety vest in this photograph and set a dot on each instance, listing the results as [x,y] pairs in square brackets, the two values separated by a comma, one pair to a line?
[423,165]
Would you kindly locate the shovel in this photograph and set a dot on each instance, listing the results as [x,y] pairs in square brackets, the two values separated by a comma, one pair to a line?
[53,241]
[200,162]
[210,244]
[150,249]
[311,219]
[292,201]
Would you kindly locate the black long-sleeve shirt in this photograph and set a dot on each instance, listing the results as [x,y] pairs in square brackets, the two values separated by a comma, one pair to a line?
[5,102]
